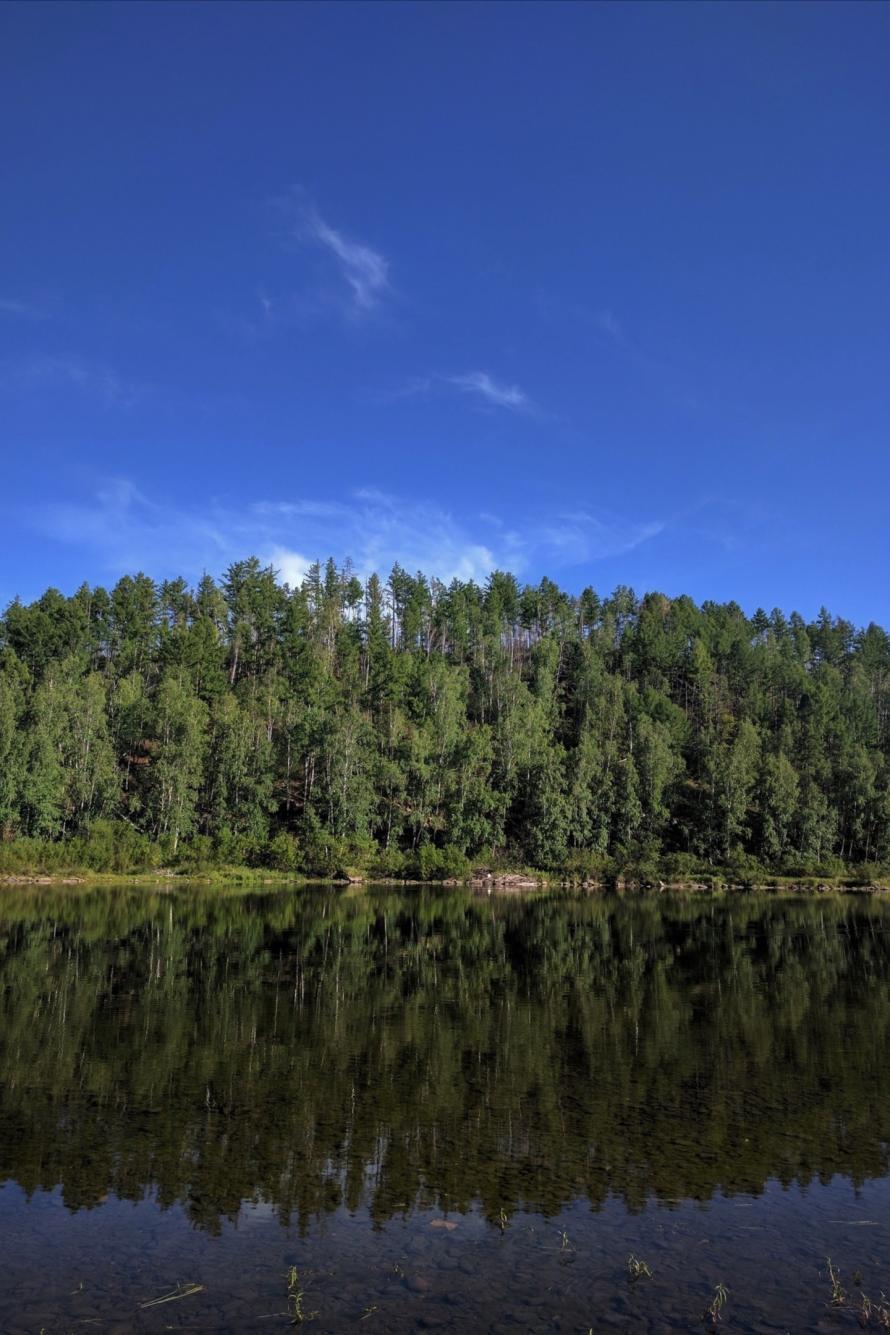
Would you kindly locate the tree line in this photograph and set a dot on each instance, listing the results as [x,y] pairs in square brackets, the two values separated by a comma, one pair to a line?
[402,726]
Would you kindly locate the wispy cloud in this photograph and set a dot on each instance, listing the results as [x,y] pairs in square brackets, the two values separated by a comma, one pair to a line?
[364,270]
[606,322]
[490,391]
[479,386]
[22,310]
[375,530]
[131,531]
[350,279]
[579,535]
[659,368]
[565,312]
[71,372]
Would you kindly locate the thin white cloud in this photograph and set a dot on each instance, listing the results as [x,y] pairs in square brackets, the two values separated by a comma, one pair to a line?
[131,531]
[70,372]
[580,536]
[493,392]
[350,279]
[23,310]
[479,386]
[607,324]
[376,530]
[364,270]
[557,310]
[660,369]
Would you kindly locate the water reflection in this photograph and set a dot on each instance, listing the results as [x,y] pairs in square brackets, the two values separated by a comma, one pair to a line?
[315,1049]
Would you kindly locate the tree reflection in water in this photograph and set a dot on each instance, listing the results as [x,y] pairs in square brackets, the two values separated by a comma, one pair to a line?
[408,1049]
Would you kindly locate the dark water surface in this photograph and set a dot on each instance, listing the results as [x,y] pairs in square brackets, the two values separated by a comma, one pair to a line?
[446,1112]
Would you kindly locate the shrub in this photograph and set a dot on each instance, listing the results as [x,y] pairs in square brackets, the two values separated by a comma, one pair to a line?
[744,869]
[683,867]
[197,854]
[868,872]
[328,855]
[586,864]
[442,864]
[115,846]
[283,853]
[107,846]
[388,862]
[827,868]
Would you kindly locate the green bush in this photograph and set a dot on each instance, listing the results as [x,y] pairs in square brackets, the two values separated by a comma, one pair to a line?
[442,864]
[283,853]
[683,867]
[824,869]
[868,872]
[586,864]
[329,856]
[744,869]
[197,855]
[108,846]
[388,863]
[115,846]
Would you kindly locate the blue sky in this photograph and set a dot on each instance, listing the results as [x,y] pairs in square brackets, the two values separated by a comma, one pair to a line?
[593,291]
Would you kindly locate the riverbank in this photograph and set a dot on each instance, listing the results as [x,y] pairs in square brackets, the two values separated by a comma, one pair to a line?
[164,876]
[481,882]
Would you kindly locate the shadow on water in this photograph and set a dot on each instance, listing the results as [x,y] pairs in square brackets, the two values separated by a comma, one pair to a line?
[441,1111]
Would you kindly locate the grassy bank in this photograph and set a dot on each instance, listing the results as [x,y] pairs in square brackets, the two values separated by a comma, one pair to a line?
[503,882]
[112,851]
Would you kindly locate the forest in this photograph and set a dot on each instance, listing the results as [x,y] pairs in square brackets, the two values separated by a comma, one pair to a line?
[402,727]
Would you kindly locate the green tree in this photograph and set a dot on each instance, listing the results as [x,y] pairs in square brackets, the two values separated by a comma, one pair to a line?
[177,762]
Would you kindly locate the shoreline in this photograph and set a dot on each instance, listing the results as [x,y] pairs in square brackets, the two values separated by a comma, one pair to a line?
[492,884]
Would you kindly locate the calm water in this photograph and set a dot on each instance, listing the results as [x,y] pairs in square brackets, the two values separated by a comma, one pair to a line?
[447,1112]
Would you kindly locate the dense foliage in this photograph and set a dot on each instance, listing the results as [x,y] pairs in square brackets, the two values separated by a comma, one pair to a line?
[407,726]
